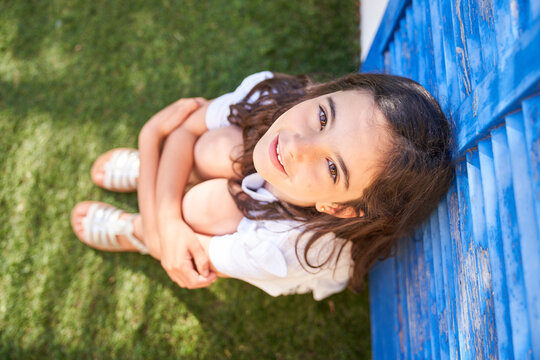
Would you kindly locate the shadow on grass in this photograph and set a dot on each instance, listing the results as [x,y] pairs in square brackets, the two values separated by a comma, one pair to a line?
[78,78]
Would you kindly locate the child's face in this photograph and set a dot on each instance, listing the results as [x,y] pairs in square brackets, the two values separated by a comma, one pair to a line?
[323,158]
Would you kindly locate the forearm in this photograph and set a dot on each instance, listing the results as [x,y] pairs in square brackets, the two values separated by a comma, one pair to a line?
[149,152]
[175,166]
[151,137]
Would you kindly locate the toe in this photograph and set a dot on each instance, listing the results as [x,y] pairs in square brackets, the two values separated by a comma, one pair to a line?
[97,173]
[77,216]
[98,176]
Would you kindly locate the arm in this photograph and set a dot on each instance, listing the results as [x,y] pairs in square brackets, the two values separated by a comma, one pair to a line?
[150,139]
[182,256]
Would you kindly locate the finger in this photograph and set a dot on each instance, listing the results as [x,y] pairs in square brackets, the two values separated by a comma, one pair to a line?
[197,281]
[187,105]
[202,261]
[200,100]
[185,275]
[175,278]
[175,275]
[182,107]
[204,282]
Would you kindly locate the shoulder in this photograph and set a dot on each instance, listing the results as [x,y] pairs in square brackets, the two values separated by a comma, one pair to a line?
[253,79]
[219,110]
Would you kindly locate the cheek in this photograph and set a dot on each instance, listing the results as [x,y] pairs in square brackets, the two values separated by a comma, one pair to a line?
[308,182]
[258,153]
[296,119]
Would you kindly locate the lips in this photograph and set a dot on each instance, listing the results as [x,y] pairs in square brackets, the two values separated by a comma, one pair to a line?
[273,153]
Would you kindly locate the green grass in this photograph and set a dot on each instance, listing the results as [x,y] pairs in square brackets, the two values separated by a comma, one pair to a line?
[80,77]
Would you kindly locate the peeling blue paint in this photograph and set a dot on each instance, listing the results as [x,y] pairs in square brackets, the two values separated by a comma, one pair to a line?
[467,284]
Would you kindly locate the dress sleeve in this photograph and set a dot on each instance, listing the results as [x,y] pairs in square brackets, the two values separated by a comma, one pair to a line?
[219,110]
[248,253]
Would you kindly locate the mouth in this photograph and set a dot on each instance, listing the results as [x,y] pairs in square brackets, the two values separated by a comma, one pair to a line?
[275,156]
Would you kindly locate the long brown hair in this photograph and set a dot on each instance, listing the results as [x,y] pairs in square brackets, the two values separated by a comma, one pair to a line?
[414,176]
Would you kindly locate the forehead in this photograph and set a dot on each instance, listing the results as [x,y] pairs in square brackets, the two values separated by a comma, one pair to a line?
[360,137]
[359,102]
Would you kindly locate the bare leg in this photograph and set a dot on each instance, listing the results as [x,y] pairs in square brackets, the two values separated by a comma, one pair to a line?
[214,151]
[209,208]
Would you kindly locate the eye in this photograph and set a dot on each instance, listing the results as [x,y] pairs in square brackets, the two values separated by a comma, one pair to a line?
[333,170]
[323,119]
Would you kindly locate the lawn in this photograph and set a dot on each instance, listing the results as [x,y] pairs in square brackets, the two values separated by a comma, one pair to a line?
[80,77]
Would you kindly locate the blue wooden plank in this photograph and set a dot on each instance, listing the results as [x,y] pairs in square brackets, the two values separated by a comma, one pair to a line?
[520,14]
[402,271]
[503,27]
[435,30]
[410,263]
[394,64]
[488,39]
[397,47]
[534,11]
[429,52]
[422,296]
[414,283]
[496,255]
[449,278]
[430,311]
[464,327]
[412,42]
[517,75]
[439,283]
[530,243]
[511,244]
[468,272]
[481,252]
[462,66]
[468,24]
[452,77]
[531,116]
[385,32]
[419,25]
[406,56]
[387,61]
[383,295]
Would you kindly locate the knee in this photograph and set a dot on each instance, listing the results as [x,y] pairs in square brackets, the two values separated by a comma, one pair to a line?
[208,208]
[193,210]
[199,204]
[214,151]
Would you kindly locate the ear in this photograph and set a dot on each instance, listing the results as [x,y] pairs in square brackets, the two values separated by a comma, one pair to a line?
[337,210]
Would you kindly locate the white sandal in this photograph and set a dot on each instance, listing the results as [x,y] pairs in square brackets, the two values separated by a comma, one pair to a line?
[102,224]
[122,170]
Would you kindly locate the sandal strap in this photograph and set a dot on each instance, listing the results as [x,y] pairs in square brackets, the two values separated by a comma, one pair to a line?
[102,224]
[128,232]
[122,170]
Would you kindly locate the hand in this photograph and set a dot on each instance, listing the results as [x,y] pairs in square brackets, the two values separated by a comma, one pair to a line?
[169,118]
[183,257]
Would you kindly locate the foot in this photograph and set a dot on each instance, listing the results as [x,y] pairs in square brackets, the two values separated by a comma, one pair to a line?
[106,228]
[117,170]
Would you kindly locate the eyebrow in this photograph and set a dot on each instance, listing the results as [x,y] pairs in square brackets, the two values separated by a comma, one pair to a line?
[340,161]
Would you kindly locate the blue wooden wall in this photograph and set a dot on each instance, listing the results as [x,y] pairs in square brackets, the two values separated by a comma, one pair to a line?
[467,284]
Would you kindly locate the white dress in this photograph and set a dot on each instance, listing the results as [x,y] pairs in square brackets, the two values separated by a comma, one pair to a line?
[263,253]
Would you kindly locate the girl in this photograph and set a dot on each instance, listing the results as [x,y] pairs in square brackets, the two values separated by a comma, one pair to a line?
[325,178]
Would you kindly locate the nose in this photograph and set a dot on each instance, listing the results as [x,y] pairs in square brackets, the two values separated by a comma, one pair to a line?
[303,148]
